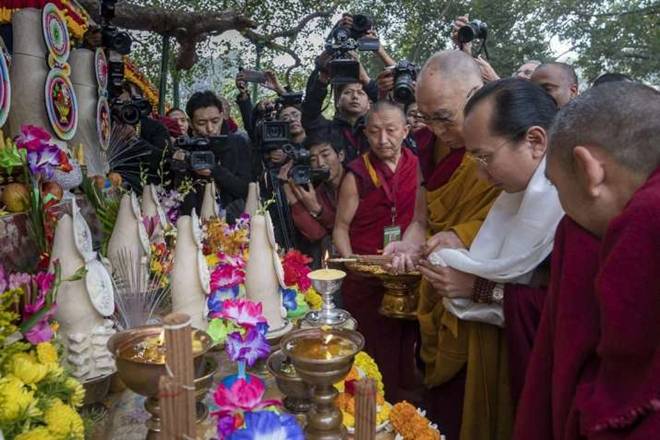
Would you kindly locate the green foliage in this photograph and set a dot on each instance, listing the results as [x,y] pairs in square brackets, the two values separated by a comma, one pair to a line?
[106,207]
[617,35]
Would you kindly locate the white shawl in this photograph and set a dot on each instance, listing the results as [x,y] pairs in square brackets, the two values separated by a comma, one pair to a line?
[516,236]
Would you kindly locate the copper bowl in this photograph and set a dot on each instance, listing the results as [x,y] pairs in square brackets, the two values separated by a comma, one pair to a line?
[143,377]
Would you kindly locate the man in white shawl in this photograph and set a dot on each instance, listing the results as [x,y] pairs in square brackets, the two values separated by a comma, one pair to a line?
[462,333]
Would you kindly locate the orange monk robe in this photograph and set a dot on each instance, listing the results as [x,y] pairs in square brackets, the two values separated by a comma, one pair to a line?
[450,345]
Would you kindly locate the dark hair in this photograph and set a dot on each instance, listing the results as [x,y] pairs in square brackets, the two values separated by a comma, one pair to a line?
[518,105]
[339,89]
[608,117]
[281,109]
[175,109]
[568,70]
[611,77]
[324,135]
[202,100]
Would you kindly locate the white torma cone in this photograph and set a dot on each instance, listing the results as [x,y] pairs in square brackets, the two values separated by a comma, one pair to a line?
[125,235]
[28,72]
[80,323]
[188,294]
[252,200]
[84,82]
[261,280]
[209,204]
[149,208]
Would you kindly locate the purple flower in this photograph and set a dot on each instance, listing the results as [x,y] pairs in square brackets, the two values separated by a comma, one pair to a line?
[41,331]
[18,280]
[44,162]
[248,348]
[289,297]
[268,425]
[218,297]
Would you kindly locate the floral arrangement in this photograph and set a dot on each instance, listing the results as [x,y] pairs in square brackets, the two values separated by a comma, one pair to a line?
[232,240]
[38,399]
[364,366]
[42,154]
[239,322]
[411,423]
[299,296]
[171,203]
[161,263]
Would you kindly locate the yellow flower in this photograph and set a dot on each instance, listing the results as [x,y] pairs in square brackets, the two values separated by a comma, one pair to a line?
[78,392]
[313,299]
[25,367]
[64,422]
[156,267]
[16,400]
[212,260]
[368,366]
[348,419]
[39,433]
[47,353]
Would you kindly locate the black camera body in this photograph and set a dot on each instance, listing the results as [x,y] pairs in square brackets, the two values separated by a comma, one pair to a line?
[130,112]
[301,172]
[113,39]
[343,69]
[289,99]
[198,153]
[405,75]
[474,30]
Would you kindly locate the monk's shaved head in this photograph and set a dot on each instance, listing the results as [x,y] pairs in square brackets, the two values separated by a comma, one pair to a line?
[452,65]
[621,118]
[386,106]
[567,71]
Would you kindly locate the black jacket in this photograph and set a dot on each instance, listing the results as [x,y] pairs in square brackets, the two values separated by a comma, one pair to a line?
[352,136]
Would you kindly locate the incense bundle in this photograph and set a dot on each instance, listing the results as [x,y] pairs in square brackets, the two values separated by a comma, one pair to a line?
[168,391]
[365,409]
[374,259]
[179,363]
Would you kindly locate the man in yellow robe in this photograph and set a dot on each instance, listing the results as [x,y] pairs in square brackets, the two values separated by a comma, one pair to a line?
[451,205]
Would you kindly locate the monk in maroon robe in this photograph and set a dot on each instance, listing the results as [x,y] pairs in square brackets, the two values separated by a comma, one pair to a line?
[605,162]
[378,193]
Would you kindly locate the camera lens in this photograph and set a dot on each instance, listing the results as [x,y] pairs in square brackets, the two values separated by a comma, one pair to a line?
[129,114]
[122,43]
[467,33]
[404,91]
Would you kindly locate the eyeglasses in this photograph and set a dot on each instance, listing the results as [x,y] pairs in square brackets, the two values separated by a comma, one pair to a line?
[445,120]
[486,159]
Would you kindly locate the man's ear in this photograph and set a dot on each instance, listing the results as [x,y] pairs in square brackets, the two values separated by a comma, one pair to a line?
[538,141]
[574,90]
[341,156]
[589,170]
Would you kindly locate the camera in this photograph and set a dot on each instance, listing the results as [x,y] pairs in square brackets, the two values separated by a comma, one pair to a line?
[301,172]
[273,135]
[113,39]
[130,112]
[475,29]
[342,39]
[198,153]
[405,75]
[289,99]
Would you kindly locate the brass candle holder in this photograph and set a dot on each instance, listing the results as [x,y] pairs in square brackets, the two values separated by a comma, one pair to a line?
[323,357]
[297,394]
[327,282]
[142,376]
[401,294]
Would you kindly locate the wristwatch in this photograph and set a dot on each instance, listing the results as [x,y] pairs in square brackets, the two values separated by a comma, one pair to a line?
[498,293]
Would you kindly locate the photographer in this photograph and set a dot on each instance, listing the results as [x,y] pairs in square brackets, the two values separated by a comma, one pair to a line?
[351,99]
[244,101]
[232,170]
[313,208]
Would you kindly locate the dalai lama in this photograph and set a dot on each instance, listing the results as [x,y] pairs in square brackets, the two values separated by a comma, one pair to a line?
[376,204]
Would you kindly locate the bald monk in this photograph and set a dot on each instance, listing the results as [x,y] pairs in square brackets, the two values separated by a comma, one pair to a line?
[605,162]
[376,198]
[558,79]
[450,208]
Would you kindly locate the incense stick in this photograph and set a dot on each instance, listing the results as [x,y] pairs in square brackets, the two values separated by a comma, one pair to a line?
[179,363]
[365,409]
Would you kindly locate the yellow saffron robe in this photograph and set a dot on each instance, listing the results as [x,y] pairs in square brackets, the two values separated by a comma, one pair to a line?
[449,344]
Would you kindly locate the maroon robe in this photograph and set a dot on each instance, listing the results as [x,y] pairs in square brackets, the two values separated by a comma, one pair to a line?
[623,400]
[391,342]
[565,344]
[435,175]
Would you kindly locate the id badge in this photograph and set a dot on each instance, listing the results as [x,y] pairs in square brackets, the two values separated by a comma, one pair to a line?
[390,234]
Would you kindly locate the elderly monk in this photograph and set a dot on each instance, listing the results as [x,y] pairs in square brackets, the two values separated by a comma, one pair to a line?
[376,201]
[450,207]
[605,162]
[558,79]
[505,131]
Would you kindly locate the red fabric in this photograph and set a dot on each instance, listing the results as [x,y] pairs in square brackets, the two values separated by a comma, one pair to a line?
[522,311]
[425,140]
[391,342]
[563,354]
[173,127]
[311,228]
[375,210]
[435,175]
[230,126]
[624,398]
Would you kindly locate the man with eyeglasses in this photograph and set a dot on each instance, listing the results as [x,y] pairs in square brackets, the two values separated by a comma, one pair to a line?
[451,203]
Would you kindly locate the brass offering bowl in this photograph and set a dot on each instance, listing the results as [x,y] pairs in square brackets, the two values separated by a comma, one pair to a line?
[143,377]
[323,357]
[297,394]
[401,294]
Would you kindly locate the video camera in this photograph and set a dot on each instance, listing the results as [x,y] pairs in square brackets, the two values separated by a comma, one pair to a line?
[301,172]
[130,112]
[198,153]
[113,39]
[474,30]
[343,39]
[405,75]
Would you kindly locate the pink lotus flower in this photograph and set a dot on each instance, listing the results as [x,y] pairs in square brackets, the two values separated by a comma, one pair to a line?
[226,275]
[32,138]
[241,395]
[243,312]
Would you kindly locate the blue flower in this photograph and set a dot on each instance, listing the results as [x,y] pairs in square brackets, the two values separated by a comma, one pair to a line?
[248,348]
[289,297]
[217,297]
[267,425]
